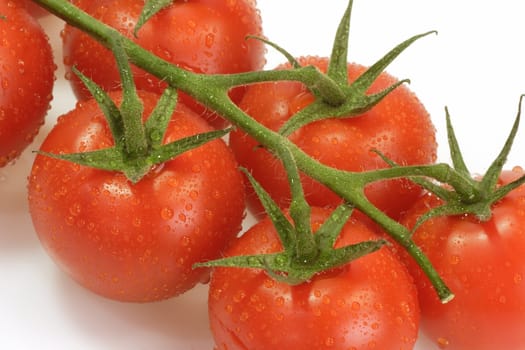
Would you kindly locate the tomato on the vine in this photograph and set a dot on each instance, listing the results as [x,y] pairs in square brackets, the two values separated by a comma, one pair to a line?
[399,127]
[134,242]
[26,80]
[203,36]
[484,265]
[368,303]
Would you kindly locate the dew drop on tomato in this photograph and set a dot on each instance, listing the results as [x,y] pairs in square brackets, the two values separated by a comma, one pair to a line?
[443,343]
[209,40]
[185,241]
[356,306]
[166,213]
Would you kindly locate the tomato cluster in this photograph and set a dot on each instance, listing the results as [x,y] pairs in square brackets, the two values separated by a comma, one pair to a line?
[138,240]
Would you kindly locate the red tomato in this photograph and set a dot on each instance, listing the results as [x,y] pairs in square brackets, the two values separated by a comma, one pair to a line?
[26,80]
[134,242]
[484,265]
[33,8]
[370,303]
[399,127]
[204,36]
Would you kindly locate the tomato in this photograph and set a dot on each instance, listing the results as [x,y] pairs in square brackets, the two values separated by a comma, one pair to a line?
[33,8]
[399,127]
[134,242]
[368,303]
[204,36]
[484,265]
[26,80]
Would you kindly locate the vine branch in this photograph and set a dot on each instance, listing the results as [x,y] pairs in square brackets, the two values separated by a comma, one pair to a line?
[212,91]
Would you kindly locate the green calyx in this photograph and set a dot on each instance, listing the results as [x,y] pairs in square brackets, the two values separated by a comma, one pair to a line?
[464,193]
[305,253]
[336,98]
[138,145]
[151,7]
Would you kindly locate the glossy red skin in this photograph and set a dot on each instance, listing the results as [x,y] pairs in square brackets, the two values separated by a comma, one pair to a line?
[26,80]
[31,7]
[369,303]
[204,36]
[399,127]
[134,242]
[484,265]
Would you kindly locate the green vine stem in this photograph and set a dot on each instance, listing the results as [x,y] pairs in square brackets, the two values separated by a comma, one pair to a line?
[212,91]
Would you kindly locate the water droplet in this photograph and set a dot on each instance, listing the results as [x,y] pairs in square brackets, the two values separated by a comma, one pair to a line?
[185,241]
[70,220]
[281,260]
[269,283]
[454,259]
[136,222]
[239,296]
[21,66]
[356,306]
[253,261]
[75,209]
[191,24]
[244,316]
[443,343]
[156,136]
[209,40]
[378,306]
[166,213]
[196,168]
[329,341]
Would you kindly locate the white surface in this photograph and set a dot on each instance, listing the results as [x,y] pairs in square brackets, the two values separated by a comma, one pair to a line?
[475,66]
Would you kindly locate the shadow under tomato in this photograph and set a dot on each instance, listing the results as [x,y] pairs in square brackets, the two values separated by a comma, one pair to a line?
[177,323]
[16,229]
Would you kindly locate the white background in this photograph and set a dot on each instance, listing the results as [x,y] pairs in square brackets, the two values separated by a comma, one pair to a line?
[475,66]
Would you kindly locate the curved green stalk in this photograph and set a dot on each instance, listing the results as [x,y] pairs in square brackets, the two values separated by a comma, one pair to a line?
[212,90]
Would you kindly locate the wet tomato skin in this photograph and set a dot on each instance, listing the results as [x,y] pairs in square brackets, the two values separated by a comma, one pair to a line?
[34,9]
[202,36]
[399,127]
[134,242]
[369,303]
[26,79]
[484,265]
